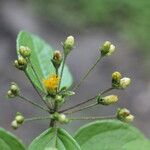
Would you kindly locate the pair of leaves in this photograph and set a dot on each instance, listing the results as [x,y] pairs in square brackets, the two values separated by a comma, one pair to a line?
[99,135]
[41,57]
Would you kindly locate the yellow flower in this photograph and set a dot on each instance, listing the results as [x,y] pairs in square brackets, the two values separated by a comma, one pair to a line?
[51,84]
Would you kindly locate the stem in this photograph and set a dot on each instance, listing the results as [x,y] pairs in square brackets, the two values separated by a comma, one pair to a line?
[38,118]
[86,101]
[72,107]
[93,118]
[36,75]
[61,74]
[107,90]
[33,103]
[80,109]
[35,88]
[88,72]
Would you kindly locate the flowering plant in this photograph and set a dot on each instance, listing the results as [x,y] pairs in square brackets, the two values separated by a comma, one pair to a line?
[50,77]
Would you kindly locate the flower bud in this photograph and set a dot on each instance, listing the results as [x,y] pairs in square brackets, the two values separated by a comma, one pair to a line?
[59,98]
[108,100]
[124,115]
[21,63]
[14,124]
[116,76]
[25,51]
[107,49]
[111,50]
[62,118]
[68,45]
[10,94]
[129,118]
[14,88]
[57,59]
[125,82]
[19,118]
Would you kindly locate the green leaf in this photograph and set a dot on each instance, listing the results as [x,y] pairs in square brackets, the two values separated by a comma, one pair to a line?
[48,140]
[9,141]
[106,135]
[137,145]
[41,59]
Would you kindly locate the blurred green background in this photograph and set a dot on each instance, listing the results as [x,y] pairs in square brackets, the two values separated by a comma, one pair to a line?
[130,18]
[125,23]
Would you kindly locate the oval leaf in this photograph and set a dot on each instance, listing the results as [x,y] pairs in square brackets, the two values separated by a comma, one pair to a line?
[41,57]
[106,135]
[48,140]
[9,141]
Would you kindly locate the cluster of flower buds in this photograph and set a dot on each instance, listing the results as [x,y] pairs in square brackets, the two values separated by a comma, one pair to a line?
[68,45]
[22,61]
[13,91]
[25,52]
[57,59]
[19,119]
[107,100]
[61,118]
[118,82]
[107,49]
[124,115]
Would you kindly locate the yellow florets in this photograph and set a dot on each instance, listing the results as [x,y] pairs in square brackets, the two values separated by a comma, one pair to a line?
[51,84]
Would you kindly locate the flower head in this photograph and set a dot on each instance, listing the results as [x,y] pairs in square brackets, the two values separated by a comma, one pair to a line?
[51,84]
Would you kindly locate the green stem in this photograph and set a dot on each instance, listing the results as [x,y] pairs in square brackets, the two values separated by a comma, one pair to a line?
[88,72]
[80,109]
[78,105]
[62,69]
[35,88]
[37,118]
[33,103]
[93,118]
[36,75]
[106,91]
[86,101]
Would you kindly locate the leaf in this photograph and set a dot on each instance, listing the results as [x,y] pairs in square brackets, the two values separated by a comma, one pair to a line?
[106,135]
[46,141]
[137,145]
[41,59]
[9,141]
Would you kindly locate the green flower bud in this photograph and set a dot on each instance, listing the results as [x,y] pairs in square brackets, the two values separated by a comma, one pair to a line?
[105,48]
[14,89]
[19,118]
[68,45]
[108,100]
[10,94]
[125,82]
[124,115]
[116,77]
[57,59]
[14,124]
[62,118]
[21,63]
[24,51]
[59,98]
